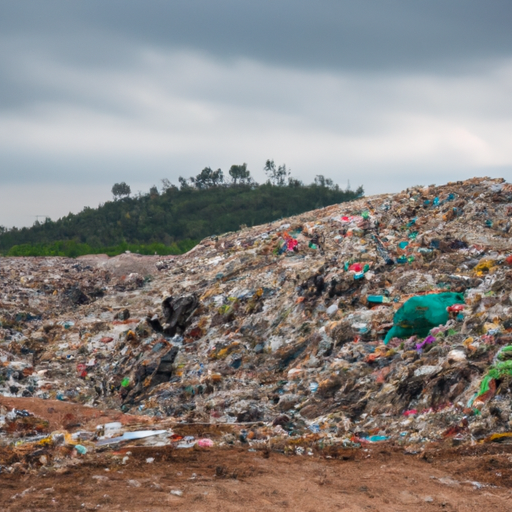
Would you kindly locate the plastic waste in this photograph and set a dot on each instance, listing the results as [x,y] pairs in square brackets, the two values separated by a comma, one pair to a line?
[205,443]
[421,313]
[377,439]
[378,299]
[82,450]
[427,341]
[332,309]
[112,428]
[130,436]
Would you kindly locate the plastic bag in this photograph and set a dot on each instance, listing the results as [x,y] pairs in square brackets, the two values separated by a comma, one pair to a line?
[419,314]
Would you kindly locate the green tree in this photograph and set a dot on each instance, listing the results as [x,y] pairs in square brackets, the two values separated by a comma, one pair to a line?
[276,175]
[240,174]
[208,178]
[121,189]
[166,185]
[184,183]
[322,181]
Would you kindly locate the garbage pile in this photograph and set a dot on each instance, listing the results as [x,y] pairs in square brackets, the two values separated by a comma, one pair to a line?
[388,318]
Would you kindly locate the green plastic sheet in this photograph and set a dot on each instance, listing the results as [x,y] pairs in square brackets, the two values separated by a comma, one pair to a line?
[421,313]
[496,372]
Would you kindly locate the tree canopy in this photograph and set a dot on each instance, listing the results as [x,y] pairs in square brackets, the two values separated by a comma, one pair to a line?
[240,174]
[121,189]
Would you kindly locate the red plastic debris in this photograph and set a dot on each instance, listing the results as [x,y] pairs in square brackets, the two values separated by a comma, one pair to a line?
[81,369]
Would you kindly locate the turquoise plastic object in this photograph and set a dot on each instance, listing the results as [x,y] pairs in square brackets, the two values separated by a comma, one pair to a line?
[378,299]
[421,313]
[377,439]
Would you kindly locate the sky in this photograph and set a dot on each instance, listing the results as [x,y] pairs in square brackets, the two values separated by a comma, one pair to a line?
[381,93]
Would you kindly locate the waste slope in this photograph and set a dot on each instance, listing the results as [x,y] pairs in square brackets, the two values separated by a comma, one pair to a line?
[379,320]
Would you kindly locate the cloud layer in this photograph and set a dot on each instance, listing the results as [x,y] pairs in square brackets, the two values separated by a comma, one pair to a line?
[385,96]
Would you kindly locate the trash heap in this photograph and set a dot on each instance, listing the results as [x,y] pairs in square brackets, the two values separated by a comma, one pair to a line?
[386,318]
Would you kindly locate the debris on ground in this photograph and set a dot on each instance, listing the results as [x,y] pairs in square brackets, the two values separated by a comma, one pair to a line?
[383,320]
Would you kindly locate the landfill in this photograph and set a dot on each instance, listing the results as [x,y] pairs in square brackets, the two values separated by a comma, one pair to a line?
[386,319]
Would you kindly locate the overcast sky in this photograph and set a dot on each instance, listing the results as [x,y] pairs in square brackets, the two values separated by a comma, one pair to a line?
[383,93]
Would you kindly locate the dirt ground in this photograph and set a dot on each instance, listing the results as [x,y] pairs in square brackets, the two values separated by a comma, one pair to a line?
[126,263]
[236,479]
[136,479]
[233,480]
[68,415]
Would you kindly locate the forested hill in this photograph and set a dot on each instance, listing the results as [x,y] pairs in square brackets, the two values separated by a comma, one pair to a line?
[172,220]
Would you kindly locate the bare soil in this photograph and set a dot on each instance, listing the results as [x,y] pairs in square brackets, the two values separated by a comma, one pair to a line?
[67,415]
[233,480]
[126,263]
[380,478]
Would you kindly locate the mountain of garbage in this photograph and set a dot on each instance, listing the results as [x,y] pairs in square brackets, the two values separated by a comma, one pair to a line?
[388,318]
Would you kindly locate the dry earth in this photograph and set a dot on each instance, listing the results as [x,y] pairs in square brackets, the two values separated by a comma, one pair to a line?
[233,480]
[381,479]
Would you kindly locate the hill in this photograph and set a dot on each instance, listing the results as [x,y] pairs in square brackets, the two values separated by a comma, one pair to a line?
[171,221]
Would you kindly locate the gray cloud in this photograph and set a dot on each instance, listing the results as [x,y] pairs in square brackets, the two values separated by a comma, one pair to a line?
[329,34]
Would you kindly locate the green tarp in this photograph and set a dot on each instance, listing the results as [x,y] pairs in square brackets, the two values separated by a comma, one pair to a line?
[420,314]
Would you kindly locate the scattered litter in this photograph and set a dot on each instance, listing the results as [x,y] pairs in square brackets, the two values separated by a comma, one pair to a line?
[387,319]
